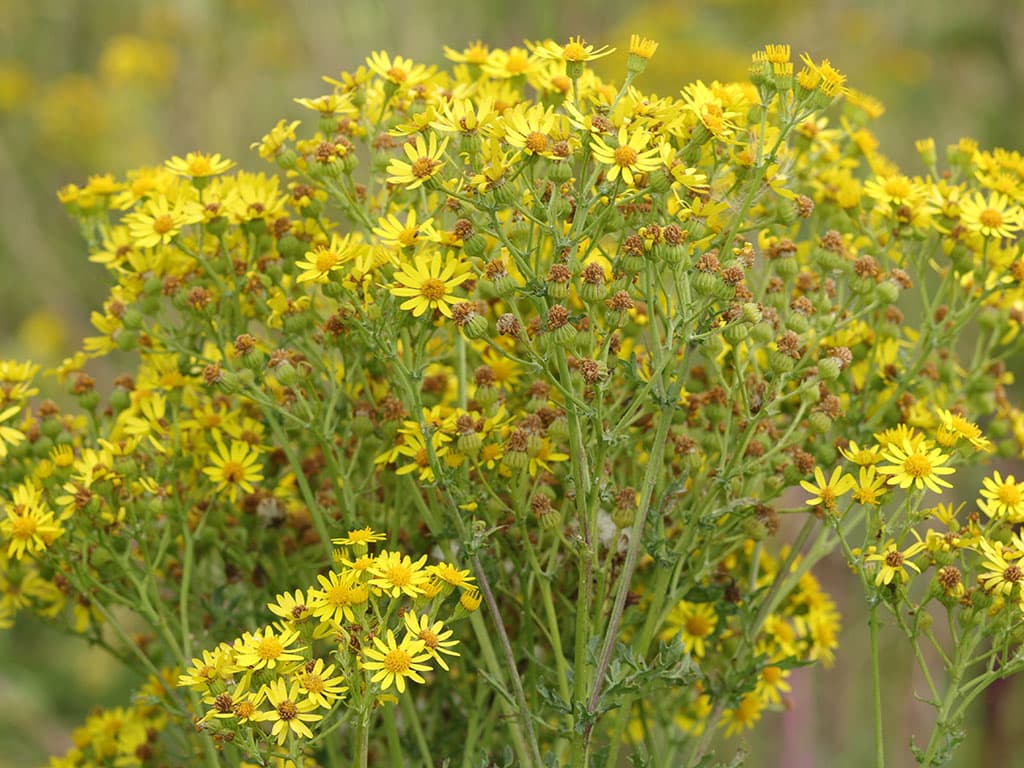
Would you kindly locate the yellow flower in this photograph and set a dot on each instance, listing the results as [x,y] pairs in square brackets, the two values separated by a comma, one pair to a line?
[198,165]
[826,493]
[1001,574]
[629,157]
[158,221]
[427,283]
[393,663]
[894,561]
[290,711]
[392,231]
[267,649]
[360,538]
[642,47]
[273,142]
[396,574]
[434,636]
[28,525]
[337,596]
[451,575]
[576,50]
[745,715]
[870,487]
[399,71]
[916,464]
[425,160]
[692,624]
[319,263]
[995,217]
[316,682]
[294,609]
[1002,498]
[234,468]
[863,455]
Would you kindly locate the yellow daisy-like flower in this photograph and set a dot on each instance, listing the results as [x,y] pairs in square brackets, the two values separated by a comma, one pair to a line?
[862,455]
[1001,573]
[642,47]
[745,714]
[392,231]
[916,464]
[894,561]
[870,487]
[290,711]
[338,595]
[451,575]
[434,636]
[29,527]
[576,50]
[294,609]
[995,217]
[158,221]
[274,142]
[320,262]
[425,160]
[896,189]
[267,649]
[360,537]
[198,165]
[394,663]
[218,664]
[234,469]
[316,682]
[826,493]
[692,624]
[398,71]
[1002,498]
[428,283]
[631,156]
[954,427]
[396,574]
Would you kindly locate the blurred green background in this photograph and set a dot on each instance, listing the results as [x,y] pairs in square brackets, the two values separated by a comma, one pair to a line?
[91,86]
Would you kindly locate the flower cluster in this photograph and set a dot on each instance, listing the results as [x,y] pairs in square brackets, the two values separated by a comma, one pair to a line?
[325,651]
[582,336]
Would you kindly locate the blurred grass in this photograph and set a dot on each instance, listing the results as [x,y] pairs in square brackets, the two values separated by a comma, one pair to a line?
[90,86]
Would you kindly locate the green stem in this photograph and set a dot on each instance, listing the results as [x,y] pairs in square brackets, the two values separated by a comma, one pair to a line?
[361,742]
[876,681]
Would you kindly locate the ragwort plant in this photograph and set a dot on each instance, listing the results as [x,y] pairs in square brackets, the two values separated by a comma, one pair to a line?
[465,436]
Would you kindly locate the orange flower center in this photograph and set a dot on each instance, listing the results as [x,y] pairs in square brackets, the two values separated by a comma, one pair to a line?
[163,224]
[269,648]
[537,142]
[917,465]
[698,626]
[423,167]
[313,683]
[991,218]
[432,289]
[233,472]
[399,575]
[397,661]
[397,75]
[23,527]
[1009,495]
[339,595]
[429,638]
[326,260]
[625,156]
[574,52]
